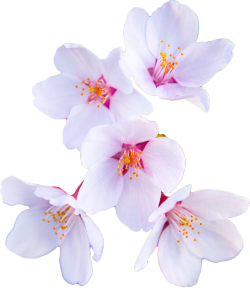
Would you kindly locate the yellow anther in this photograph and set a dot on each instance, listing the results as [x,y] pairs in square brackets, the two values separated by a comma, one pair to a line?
[127,160]
[91,89]
[161,41]
[169,45]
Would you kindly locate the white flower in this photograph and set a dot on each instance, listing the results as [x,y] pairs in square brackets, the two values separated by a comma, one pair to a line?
[163,57]
[88,92]
[190,227]
[53,220]
[128,166]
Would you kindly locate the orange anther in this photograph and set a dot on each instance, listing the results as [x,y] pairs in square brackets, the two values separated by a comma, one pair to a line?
[182,54]
[76,86]
[169,45]
[141,152]
[60,221]
[88,79]
[131,178]
[199,232]
[98,106]
[195,239]
[178,240]
[137,175]
[179,48]
[179,230]
[201,223]
[63,234]
[43,219]
[55,233]
[82,94]
[48,221]
[196,218]
[161,41]
[187,236]
[87,102]
[45,213]
[119,174]
[54,228]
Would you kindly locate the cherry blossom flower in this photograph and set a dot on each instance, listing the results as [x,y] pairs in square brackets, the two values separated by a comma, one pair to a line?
[53,220]
[88,92]
[127,167]
[163,57]
[190,227]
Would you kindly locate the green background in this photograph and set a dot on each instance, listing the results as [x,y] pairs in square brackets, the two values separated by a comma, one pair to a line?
[208,141]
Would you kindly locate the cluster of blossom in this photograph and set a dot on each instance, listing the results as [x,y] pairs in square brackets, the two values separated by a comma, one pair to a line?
[130,164]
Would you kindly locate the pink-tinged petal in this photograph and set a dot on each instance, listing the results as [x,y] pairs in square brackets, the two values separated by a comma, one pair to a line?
[150,244]
[95,237]
[135,35]
[31,237]
[101,142]
[57,95]
[175,24]
[165,159]
[178,264]
[202,60]
[132,105]
[55,196]
[78,61]
[113,74]
[215,205]
[81,119]
[138,71]
[218,240]
[75,258]
[170,203]
[139,130]
[196,95]
[139,198]
[15,191]
[101,188]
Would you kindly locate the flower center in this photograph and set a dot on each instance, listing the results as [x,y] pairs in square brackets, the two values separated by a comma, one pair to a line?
[182,220]
[130,160]
[98,92]
[61,219]
[165,65]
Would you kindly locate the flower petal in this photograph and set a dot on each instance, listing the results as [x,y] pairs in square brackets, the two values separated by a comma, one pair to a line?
[101,188]
[113,74]
[101,142]
[57,95]
[139,198]
[202,60]
[138,130]
[134,104]
[178,264]
[15,191]
[135,35]
[75,258]
[215,205]
[31,237]
[81,119]
[170,203]
[165,159]
[138,71]
[175,24]
[56,197]
[218,240]
[173,91]
[78,61]
[95,237]
[150,244]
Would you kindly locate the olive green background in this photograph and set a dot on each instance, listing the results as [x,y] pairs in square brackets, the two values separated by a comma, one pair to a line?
[208,141]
